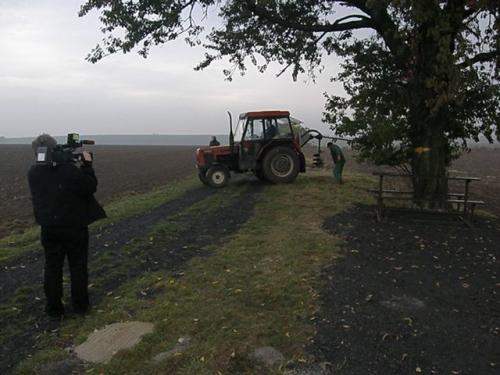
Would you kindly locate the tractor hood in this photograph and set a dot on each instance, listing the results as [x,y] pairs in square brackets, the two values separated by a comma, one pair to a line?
[207,154]
[217,150]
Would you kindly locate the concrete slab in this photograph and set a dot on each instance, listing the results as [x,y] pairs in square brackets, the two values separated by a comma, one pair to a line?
[103,344]
[268,356]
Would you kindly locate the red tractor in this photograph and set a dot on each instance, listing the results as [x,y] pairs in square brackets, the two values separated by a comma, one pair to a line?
[263,143]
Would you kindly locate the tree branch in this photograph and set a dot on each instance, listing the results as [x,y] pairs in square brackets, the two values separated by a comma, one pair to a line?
[362,23]
[383,24]
[290,64]
[481,57]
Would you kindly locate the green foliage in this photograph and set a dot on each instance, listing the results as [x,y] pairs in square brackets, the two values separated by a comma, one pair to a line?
[376,111]
[428,70]
[378,122]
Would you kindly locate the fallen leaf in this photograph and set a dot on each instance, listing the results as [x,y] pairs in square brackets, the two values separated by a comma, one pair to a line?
[408,321]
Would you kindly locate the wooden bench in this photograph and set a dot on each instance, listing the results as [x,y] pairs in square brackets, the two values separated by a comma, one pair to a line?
[469,208]
[464,205]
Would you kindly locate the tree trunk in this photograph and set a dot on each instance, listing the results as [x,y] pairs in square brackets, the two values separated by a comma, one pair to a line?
[430,156]
[427,119]
[430,184]
[429,108]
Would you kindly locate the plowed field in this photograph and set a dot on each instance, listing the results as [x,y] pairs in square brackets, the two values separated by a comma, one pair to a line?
[120,169]
[124,169]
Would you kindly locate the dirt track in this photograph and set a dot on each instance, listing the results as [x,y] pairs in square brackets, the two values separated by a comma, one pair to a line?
[110,266]
[411,297]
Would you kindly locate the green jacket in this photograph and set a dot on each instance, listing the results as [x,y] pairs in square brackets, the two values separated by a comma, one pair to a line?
[337,154]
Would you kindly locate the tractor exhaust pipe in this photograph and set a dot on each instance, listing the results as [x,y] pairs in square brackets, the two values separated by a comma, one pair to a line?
[231,134]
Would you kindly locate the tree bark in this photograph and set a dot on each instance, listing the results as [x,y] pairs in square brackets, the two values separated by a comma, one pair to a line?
[428,94]
[430,157]
[430,184]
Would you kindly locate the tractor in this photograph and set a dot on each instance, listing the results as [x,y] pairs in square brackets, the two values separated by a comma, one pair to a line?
[263,143]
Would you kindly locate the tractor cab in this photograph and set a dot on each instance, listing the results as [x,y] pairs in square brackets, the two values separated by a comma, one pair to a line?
[257,131]
[262,142]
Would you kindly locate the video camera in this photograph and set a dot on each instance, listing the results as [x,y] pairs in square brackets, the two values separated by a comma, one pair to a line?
[67,153]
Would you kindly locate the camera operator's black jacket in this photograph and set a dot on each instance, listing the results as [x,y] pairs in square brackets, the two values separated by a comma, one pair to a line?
[63,195]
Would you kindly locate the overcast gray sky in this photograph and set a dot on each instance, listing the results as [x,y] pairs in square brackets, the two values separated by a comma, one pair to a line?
[47,86]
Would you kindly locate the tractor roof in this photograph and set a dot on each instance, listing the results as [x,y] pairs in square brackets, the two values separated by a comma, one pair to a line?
[265,114]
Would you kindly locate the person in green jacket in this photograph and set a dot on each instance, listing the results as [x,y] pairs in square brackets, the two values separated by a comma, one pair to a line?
[338,161]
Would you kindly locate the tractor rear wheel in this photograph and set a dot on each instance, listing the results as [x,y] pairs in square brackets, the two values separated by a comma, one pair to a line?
[217,176]
[281,165]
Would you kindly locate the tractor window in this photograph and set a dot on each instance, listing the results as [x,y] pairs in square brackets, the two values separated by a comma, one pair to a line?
[277,128]
[238,132]
[270,129]
[254,130]
[283,128]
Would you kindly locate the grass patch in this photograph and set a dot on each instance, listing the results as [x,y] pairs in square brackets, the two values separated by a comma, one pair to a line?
[19,244]
[260,289]
[180,222]
[135,204]
[485,214]
[41,358]
[16,245]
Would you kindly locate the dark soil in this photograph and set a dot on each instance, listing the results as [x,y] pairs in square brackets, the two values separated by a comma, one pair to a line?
[123,169]
[120,170]
[110,266]
[411,297]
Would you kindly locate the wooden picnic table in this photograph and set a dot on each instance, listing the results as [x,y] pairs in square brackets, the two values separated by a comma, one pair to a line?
[462,200]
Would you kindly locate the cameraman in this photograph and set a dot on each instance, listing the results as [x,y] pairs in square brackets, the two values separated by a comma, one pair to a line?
[64,206]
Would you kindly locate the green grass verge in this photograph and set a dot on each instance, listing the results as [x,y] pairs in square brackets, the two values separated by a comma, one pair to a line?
[120,208]
[260,289]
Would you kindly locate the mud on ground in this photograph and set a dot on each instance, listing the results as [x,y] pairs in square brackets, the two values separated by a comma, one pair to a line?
[411,297]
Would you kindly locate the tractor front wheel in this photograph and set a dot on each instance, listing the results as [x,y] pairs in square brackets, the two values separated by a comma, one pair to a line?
[281,165]
[217,176]
[202,175]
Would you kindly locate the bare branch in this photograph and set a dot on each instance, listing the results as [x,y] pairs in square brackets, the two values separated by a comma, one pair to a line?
[362,23]
[479,58]
[358,16]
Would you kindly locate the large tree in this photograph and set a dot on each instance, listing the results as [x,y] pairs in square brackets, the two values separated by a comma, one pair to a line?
[421,75]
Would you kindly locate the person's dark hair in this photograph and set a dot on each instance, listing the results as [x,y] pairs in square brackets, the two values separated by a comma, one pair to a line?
[44,140]
[329,144]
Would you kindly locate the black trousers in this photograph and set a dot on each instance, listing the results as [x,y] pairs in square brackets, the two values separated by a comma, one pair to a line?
[59,243]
